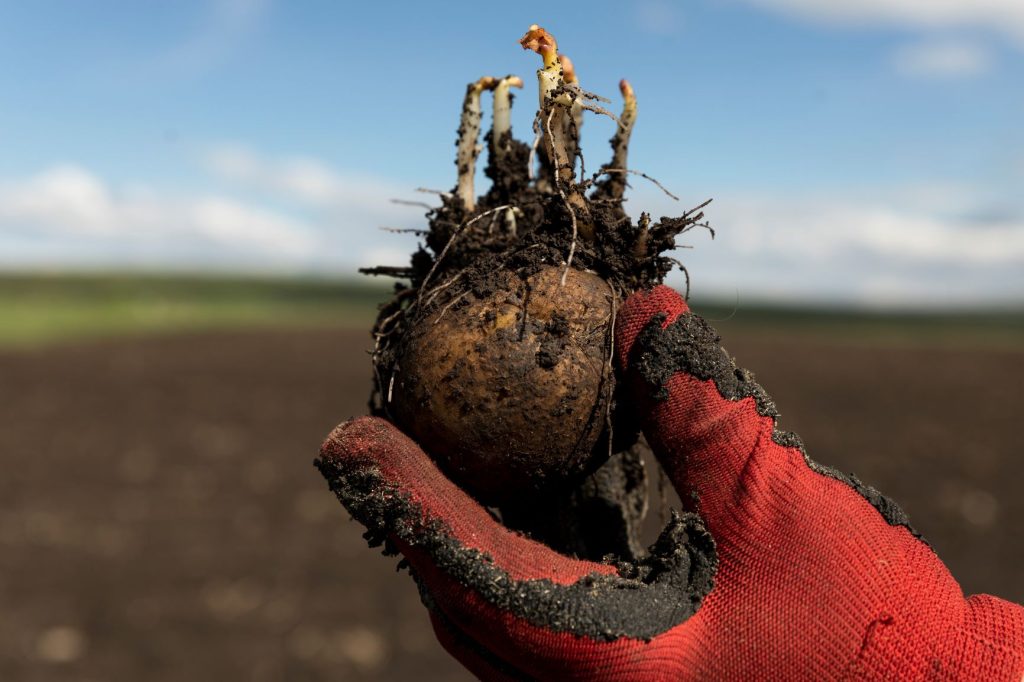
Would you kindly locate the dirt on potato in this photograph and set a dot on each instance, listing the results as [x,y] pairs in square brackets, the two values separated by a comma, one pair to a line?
[545,347]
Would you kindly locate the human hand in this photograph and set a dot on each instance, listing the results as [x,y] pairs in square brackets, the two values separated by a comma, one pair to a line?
[781,567]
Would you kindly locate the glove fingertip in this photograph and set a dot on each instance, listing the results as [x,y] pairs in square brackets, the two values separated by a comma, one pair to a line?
[391,486]
[357,439]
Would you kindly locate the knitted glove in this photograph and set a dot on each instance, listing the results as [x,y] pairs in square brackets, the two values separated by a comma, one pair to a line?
[781,568]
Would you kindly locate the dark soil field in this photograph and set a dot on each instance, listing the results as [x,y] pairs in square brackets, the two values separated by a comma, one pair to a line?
[160,517]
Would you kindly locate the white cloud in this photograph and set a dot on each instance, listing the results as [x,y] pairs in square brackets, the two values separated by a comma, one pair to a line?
[303,180]
[63,197]
[350,207]
[1004,16]
[68,208]
[950,59]
[294,213]
[874,250]
[831,228]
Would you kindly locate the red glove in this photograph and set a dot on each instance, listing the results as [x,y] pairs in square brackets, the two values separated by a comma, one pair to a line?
[814,575]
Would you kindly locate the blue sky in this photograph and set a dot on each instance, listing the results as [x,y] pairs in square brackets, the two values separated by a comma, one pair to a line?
[868,151]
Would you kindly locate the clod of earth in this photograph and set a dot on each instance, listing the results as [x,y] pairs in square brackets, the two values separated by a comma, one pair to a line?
[495,354]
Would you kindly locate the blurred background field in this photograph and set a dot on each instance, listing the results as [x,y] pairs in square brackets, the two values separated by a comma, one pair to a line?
[160,517]
[40,309]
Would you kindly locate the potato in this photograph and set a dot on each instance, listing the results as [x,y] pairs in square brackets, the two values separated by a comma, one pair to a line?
[499,368]
[510,390]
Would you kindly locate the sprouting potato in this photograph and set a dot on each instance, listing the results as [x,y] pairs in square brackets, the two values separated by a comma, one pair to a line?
[497,356]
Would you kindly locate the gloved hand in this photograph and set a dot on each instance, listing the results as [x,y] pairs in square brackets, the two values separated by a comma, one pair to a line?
[781,568]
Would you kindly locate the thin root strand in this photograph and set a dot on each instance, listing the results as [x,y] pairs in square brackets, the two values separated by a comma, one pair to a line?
[645,176]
